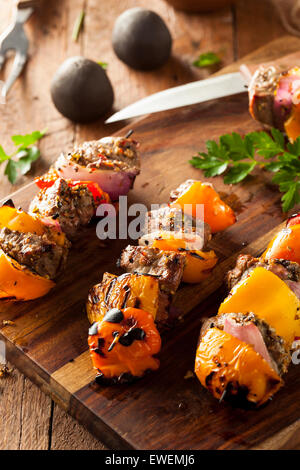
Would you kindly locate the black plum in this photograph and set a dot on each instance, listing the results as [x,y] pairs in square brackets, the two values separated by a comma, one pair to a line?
[81,90]
[141,39]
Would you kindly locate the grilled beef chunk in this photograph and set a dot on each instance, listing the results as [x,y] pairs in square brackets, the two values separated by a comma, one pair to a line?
[167,266]
[38,252]
[172,220]
[288,271]
[111,153]
[72,207]
[276,346]
[244,264]
[262,93]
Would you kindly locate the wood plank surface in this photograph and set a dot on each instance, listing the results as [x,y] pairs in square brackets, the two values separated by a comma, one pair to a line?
[30,107]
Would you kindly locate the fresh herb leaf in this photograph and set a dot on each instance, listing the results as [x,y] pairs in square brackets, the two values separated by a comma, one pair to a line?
[265,145]
[294,148]
[278,137]
[207,59]
[104,65]
[238,147]
[78,25]
[24,161]
[273,166]
[236,157]
[3,155]
[216,169]
[11,170]
[238,172]
[24,141]
[291,197]
[26,153]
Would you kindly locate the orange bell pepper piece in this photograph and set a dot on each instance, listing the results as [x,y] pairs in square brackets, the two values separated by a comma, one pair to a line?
[124,342]
[216,212]
[199,264]
[19,283]
[292,125]
[226,365]
[285,245]
[15,219]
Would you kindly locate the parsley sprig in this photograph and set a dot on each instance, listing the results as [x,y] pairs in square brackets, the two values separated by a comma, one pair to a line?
[237,156]
[19,162]
[207,60]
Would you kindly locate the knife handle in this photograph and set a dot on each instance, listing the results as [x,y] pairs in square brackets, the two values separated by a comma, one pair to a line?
[25,3]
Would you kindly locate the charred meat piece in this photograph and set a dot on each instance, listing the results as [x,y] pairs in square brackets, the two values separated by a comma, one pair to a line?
[72,207]
[262,93]
[288,271]
[128,290]
[166,266]
[241,326]
[117,152]
[244,263]
[172,221]
[38,252]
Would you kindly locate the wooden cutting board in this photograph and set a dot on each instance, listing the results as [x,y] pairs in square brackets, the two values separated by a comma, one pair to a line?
[164,410]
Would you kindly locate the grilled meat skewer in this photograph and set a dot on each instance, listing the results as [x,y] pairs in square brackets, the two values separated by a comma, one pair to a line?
[166,266]
[111,162]
[71,207]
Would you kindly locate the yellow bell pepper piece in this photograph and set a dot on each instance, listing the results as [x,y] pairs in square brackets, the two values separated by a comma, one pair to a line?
[19,283]
[199,264]
[15,219]
[268,297]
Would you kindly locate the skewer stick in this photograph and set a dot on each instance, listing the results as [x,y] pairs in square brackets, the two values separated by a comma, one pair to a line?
[129,133]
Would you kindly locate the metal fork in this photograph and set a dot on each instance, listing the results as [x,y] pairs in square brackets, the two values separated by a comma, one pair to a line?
[14,38]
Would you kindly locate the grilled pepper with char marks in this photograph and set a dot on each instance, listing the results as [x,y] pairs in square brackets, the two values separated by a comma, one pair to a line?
[241,359]
[122,345]
[128,290]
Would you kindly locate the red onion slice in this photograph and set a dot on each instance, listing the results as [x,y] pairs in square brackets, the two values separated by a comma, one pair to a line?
[115,183]
[249,334]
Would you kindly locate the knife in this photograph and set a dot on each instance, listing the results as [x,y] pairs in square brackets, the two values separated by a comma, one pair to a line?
[183,95]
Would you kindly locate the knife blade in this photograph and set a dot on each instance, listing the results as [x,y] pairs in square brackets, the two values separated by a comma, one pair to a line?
[183,95]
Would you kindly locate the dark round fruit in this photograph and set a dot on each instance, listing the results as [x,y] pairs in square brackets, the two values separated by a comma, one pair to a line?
[81,90]
[141,39]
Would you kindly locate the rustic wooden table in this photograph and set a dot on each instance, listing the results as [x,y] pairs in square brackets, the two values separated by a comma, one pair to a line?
[28,418]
